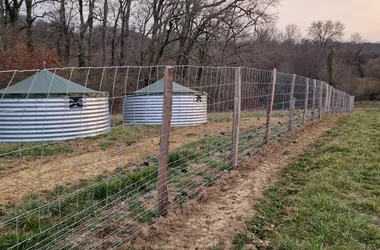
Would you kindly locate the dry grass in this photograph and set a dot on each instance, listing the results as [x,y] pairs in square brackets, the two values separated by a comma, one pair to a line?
[124,145]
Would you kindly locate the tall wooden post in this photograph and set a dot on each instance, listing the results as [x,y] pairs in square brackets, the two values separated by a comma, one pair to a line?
[163,200]
[335,101]
[345,102]
[270,107]
[291,103]
[314,94]
[320,102]
[235,128]
[306,101]
[340,101]
[326,98]
[331,89]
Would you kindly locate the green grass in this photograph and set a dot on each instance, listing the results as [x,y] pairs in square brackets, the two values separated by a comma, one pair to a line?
[329,197]
[87,203]
[34,149]
[228,117]
[367,104]
[127,134]
[116,120]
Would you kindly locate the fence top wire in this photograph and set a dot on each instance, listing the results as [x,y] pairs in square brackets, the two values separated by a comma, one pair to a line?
[80,207]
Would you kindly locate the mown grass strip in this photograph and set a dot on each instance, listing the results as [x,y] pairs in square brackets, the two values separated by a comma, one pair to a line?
[329,198]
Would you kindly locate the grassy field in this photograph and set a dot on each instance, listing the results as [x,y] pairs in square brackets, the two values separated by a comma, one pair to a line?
[330,197]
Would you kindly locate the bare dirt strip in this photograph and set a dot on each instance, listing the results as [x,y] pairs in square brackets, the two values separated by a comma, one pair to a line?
[31,176]
[225,208]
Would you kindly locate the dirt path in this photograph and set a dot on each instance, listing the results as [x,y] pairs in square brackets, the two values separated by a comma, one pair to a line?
[29,177]
[230,203]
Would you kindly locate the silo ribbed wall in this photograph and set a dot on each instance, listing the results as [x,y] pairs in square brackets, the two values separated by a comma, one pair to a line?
[187,110]
[29,120]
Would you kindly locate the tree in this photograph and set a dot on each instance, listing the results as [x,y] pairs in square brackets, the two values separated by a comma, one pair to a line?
[330,66]
[325,32]
[104,31]
[84,25]
[12,9]
[292,34]
[125,6]
[2,12]
[30,18]
[357,40]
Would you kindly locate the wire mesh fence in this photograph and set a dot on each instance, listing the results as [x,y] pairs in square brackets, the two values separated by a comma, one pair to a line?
[89,156]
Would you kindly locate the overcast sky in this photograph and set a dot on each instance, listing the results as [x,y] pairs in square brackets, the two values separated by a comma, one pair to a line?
[362,16]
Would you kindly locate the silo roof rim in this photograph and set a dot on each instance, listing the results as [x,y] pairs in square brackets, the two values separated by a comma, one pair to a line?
[158,88]
[49,84]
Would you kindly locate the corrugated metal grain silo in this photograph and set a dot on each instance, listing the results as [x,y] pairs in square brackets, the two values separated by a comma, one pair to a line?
[145,106]
[47,107]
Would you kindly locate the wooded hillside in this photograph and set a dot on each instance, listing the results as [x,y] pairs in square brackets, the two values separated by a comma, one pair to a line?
[199,32]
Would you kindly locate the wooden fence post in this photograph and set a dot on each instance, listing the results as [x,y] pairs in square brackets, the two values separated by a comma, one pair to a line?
[331,89]
[337,101]
[320,102]
[291,103]
[236,121]
[345,102]
[163,200]
[306,101]
[270,107]
[351,104]
[340,101]
[326,98]
[334,100]
[330,99]
[314,94]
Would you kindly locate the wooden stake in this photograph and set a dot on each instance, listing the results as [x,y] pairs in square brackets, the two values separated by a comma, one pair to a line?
[314,94]
[345,102]
[270,108]
[329,99]
[291,103]
[320,104]
[326,98]
[163,200]
[306,101]
[235,129]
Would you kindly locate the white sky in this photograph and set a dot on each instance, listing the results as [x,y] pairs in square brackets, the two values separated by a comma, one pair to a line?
[362,16]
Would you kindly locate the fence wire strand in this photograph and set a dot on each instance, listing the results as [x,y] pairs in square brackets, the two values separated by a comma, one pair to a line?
[80,147]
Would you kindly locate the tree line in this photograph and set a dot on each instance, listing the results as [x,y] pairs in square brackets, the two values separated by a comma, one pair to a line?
[198,32]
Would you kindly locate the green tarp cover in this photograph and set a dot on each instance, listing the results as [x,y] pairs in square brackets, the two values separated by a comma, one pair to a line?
[158,88]
[47,84]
